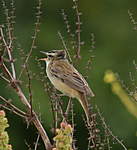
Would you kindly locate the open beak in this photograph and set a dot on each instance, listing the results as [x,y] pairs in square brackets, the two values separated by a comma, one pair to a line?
[44,52]
[43,59]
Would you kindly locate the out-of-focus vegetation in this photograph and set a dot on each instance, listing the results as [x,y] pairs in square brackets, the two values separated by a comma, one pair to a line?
[117,89]
[63,138]
[4,138]
[115,49]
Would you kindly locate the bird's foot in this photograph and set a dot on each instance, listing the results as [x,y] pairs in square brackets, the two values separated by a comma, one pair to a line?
[61,95]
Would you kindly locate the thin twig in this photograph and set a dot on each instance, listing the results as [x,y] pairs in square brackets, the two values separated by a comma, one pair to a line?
[13,107]
[11,75]
[35,120]
[73,125]
[8,23]
[7,72]
[67,111]
[62,112]
[29,88]
[9,53]
[4,78]
[68,106]
[56,115]
[65,47]
[11,110]
[24,100]
[91,125]
[71,36]
[78,31]
[37,141]
[109,131]
[36,30]
[53,102]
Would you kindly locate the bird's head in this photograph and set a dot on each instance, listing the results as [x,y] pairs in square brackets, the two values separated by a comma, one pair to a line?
[53,55]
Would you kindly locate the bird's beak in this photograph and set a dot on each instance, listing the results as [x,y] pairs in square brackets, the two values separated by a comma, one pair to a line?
[44,52]
[43,59]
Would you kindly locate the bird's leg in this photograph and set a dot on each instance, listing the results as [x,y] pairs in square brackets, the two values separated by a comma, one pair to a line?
[57,93]
[68,107]
[61,95]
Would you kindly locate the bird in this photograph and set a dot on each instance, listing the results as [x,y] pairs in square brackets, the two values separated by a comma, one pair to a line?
[66,78]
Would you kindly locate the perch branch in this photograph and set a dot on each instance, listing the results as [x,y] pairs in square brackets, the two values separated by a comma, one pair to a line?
[24,100]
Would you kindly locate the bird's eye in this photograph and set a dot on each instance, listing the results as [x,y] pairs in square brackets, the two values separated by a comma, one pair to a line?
[50,56]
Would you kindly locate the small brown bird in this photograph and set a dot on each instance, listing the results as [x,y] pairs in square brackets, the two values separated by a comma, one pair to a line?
[66,78]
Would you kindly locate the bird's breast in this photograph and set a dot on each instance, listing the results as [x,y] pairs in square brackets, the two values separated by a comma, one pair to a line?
[62,87]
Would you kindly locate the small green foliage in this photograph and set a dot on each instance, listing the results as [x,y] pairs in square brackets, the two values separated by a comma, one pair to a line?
[4,138]
[63,139]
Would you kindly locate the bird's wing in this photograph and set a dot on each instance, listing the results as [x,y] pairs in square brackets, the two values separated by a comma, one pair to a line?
[69,75]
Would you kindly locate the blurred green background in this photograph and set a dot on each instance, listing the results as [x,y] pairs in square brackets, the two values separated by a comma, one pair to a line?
[116,43]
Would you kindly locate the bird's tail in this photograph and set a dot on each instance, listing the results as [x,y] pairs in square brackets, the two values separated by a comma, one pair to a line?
[84,102]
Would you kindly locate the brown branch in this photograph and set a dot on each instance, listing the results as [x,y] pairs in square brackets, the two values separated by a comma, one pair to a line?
[10,76]
[35,119]
[42,132]
[8,81]
[9,53]
[24,100]
[6,71]
[13,108]
[29,88]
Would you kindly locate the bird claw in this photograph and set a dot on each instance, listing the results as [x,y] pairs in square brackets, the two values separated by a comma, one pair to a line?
[61,95]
